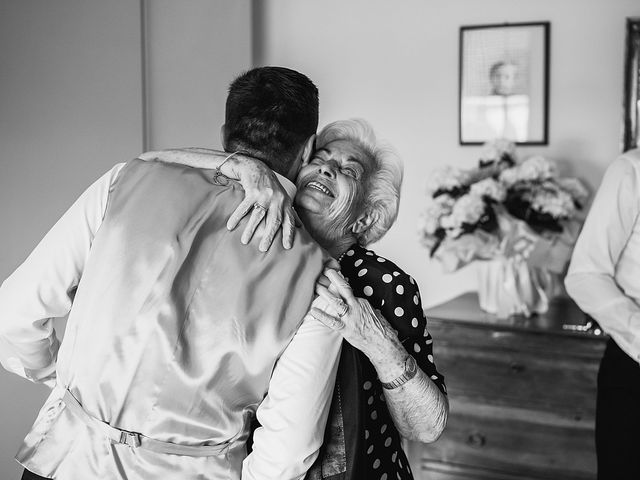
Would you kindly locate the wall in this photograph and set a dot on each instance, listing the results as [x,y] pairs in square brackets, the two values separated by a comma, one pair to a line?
[396,64]
[193,51]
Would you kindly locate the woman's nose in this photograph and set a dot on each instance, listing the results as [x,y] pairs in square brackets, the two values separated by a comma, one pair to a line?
[328,169]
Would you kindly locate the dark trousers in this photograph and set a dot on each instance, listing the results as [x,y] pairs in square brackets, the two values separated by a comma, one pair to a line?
[27,475]
[618,416]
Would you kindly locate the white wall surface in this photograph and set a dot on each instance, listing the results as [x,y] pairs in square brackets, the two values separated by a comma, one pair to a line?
[396,65]
[194,49]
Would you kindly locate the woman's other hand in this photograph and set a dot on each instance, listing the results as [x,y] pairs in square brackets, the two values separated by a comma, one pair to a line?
[418,408]
[360,325]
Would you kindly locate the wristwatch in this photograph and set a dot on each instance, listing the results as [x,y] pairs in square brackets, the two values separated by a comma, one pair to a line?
[410,370]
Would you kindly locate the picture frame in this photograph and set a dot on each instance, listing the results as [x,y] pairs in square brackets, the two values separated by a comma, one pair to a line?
[504,83]
[631,101]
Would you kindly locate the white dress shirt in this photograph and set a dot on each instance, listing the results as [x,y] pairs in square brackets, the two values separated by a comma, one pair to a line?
[604,274]
[43,288]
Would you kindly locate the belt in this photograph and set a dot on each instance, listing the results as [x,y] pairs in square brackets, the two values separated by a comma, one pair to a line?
[137,440]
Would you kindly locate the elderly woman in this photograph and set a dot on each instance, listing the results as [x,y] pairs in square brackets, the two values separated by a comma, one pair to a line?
[388,386]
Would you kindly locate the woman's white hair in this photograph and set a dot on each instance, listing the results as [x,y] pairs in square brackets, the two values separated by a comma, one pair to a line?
[382,193]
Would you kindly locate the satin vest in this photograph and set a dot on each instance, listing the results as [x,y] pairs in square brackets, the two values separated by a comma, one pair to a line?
[174,331]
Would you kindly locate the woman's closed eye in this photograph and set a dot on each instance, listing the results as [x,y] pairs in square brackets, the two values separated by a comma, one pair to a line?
[349,171]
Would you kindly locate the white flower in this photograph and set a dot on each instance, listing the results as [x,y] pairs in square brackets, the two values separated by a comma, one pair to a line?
[509,176]
[494,150]
[434,211]
[575,188]
[429,221]
[489,188]
[425,231]
[428,225]
[467,210]
[558,204]
[536,168]
[446,178]
[542,201]
[448,222]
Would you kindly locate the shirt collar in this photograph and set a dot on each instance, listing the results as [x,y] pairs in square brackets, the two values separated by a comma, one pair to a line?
[287,184]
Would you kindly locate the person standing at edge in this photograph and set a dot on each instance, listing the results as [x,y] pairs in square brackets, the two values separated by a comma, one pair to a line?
[604,280]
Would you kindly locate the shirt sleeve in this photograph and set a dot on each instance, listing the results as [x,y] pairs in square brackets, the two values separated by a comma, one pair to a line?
[591,277]
[294,413]
[42,288]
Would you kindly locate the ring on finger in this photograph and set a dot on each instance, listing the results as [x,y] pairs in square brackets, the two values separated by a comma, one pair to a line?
[342,308]
[260,206]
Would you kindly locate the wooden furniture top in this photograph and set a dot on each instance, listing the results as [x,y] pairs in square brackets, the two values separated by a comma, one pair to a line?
[563,317]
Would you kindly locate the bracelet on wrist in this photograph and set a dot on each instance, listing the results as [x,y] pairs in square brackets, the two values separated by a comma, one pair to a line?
[217,173]
[410,370]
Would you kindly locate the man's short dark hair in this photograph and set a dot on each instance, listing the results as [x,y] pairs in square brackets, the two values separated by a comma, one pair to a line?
[270,113]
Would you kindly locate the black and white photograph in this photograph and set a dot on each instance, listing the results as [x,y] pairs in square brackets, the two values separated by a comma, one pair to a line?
[504,72]
[319,240]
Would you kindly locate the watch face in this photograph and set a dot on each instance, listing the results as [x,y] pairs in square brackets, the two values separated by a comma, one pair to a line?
[410,364]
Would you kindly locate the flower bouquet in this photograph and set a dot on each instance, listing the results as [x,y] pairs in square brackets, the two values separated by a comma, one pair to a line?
[520,218]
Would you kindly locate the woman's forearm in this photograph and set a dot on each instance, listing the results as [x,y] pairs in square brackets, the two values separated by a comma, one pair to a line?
[418,408]
[252,173]
[265,199]
[197,158]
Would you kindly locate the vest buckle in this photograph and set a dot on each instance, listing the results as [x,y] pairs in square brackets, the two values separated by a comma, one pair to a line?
[131,439]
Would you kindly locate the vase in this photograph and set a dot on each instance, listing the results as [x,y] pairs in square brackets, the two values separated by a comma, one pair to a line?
[510,286]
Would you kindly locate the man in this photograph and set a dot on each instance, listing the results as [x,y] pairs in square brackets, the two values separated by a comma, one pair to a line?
[174,326]
[604,280]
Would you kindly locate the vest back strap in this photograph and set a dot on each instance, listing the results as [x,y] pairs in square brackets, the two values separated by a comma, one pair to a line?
[137,440]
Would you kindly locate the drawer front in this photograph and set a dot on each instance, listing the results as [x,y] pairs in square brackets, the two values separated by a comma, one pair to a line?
[507,447]
[445,471]
[512,378]
[506,369]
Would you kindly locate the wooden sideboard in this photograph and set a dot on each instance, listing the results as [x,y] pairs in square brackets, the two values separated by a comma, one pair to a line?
[522,393]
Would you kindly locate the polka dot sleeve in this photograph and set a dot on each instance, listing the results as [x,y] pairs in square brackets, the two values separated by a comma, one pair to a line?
[396,295]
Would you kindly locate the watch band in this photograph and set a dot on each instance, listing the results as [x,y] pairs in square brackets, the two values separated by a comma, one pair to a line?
[410,370]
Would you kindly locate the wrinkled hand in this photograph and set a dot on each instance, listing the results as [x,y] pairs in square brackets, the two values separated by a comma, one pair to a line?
[262,187]
[361,326]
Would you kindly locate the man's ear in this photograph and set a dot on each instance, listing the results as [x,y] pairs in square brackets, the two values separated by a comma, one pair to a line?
[307,151]
[223,136]
[364,222]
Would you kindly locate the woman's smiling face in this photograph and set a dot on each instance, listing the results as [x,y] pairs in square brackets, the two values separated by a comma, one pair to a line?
[334,173]
[331,187]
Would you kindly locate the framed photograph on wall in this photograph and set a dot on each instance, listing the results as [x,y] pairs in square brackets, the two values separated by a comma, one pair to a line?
[504,83]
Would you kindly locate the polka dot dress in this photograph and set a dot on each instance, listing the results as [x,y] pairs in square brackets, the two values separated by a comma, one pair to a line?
[396,295]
